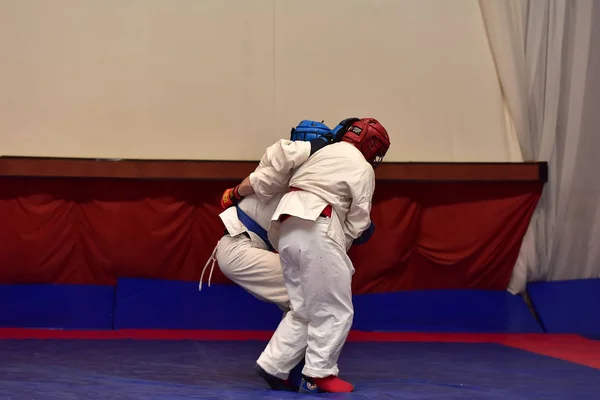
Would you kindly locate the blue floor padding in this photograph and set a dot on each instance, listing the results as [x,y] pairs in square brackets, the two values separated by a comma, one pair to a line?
[115,369]
[56,306]
[162,304]
[475,311]
[568,306]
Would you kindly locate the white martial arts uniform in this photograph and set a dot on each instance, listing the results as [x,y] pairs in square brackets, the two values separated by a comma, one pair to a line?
[242,255]
[316,269]
[245,258]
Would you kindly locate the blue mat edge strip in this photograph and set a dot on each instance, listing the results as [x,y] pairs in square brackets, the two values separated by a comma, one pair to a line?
[465,315]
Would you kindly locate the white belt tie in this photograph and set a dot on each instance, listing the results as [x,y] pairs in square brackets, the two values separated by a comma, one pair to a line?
[212,267]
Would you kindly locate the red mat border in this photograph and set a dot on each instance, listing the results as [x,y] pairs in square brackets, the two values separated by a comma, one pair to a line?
[572,348]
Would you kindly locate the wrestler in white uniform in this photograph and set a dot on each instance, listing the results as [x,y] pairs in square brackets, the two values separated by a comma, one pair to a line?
[245,258]
[316,269]
[242,254]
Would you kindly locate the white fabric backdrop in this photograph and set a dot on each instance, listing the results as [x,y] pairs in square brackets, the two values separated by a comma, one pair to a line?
[222,79]
[542,49]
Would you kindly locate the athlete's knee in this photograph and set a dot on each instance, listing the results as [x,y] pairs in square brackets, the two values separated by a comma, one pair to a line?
[225,255]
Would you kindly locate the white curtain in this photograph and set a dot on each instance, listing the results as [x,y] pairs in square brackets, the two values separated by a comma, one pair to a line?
[542,49]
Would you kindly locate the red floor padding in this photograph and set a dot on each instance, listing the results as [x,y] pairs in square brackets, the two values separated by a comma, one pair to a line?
[572,348]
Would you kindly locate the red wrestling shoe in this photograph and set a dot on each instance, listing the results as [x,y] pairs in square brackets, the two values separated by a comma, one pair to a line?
[330,384]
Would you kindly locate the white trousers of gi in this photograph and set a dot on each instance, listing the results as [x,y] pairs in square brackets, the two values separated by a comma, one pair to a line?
[317,274]
[256,270]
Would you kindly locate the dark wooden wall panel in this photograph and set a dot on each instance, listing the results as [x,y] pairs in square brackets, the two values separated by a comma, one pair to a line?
[225,170]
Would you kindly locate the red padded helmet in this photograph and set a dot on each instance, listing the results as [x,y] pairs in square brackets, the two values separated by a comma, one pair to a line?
[370,137]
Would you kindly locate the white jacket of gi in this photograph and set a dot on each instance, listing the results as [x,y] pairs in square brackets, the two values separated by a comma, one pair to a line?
[337,175]
[279,160]
[260,212]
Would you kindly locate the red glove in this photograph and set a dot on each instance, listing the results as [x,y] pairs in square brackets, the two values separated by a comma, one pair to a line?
[230,198]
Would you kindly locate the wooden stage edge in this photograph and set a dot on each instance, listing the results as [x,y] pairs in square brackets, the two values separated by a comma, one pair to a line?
[234,170]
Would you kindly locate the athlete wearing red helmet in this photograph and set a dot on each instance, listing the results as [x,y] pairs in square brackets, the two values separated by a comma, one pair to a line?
[325,212]
[370,137]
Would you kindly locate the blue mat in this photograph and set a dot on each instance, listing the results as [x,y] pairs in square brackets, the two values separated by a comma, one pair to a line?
[56,306]
[162,304]
[476,311]
[157,370]
[568,306]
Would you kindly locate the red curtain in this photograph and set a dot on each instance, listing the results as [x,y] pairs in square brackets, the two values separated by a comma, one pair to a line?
[434,235]
[444,235]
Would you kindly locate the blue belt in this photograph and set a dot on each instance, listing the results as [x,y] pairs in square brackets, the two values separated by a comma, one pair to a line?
[254,227]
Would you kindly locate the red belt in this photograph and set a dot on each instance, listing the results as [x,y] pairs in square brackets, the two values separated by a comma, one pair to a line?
[325,213]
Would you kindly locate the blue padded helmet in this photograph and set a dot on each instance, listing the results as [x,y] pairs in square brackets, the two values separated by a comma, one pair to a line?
[309,130]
